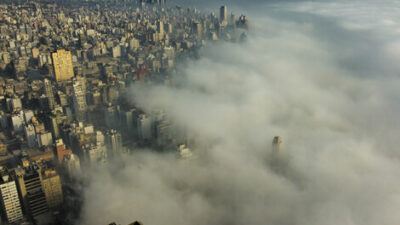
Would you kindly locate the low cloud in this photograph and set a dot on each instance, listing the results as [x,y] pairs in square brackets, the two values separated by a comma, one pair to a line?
[339,123]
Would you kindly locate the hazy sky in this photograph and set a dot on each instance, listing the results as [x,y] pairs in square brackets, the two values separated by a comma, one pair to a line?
[323,75]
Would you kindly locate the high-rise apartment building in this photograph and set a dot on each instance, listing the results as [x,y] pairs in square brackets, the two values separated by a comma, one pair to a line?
[72,164]
[48,89]
[63,67]
[52,188]
[79,96]
[30,187]
[144,127]
[40,189]
[223,14]
[94,154]
[279,159]
[10,202]
[276,145]
[197,28]
[61,150]
[114,142]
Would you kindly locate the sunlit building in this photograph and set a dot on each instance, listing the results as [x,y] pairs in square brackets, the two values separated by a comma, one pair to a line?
[10,202]
[63,67]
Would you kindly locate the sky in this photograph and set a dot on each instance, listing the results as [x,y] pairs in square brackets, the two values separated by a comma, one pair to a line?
[323,75]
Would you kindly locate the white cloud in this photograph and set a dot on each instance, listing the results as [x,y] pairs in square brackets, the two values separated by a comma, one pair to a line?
[339,125]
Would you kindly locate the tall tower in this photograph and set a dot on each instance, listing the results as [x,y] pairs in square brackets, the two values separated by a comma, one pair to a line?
[144,127]
[114,142]
[10,202]
[79,97]
[63,67]
[72,164]
[197,28]
[48,89]
[276,145]
[61,150]
[160,27]
[30,135]
[160,30]
[51,185]
[279,159]
[30,188]
[223,14]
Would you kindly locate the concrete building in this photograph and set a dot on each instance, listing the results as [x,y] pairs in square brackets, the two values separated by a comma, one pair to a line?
[116,51]
[62,63]
[52,188]
[277,145]
[95,154]
[160,28]
[114,142]
[30,135]
[48,89]
[279,159]
[16,104]
[79,97]
[17,123]
[144,125]
[61,151]
[10,202]
[44,139]
[31,191]
[223,14]
[184,152]
[72,164]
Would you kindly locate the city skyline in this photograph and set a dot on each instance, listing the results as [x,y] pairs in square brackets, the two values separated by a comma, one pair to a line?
[193,112]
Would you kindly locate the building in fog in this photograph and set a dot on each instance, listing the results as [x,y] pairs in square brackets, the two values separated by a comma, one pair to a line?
[277,145]
[61,150]
[51,185]
[94,154]
[72,164]
[113,142]
[144,127]
[279,159]
[184,152]
[223,14]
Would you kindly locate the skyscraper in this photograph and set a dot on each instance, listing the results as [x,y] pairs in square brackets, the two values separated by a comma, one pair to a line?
[223,14]
[114,142]
[63,67]
[197,28]
[72,164]
[276,144]
[144,127]
[52,188]
[30,188]
[160,27]
[79,97]
[94,154]
[44,139]
[10,202]
[279,159]
[61,150]
[48,89]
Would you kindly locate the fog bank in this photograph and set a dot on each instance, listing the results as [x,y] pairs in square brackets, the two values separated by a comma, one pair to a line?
[327,83]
